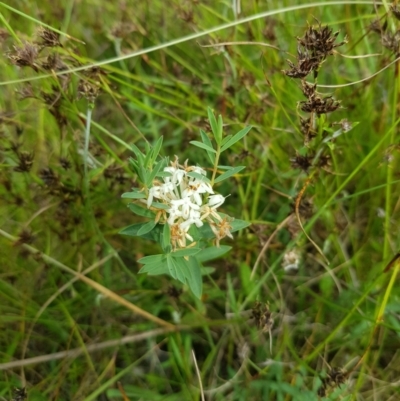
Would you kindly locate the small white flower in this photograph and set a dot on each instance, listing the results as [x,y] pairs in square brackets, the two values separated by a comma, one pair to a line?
[154,192]
[215,201]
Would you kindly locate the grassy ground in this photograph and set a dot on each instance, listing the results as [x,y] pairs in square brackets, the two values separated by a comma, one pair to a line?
[69,281]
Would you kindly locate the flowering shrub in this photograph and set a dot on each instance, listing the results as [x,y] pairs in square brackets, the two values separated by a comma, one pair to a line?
[181,204]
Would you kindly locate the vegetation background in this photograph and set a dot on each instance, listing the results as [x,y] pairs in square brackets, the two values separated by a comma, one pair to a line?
[69,283]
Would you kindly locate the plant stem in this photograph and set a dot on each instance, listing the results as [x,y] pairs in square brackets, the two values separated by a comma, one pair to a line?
[216,164]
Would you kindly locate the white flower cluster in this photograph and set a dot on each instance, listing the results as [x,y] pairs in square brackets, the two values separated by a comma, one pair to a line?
[191,201]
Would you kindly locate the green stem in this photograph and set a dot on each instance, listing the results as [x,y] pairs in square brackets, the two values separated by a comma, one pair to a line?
[216,164]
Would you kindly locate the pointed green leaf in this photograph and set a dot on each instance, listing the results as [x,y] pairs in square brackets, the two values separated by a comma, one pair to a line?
[193,276]
[176,270]
[152,259]
[207,270]
[214,126]
[133,230]
[236,137]
[134,195]
[212,252]
[146,228]
[238,224]
[154,269]
[156,149]
[198,176]
[138,153]
[163,174]
[159,205]
[154,172]
[220,129]
[229,173]
[140,211]
[203,146]
[225,140]
[166,238]
[185,252]
[206,140]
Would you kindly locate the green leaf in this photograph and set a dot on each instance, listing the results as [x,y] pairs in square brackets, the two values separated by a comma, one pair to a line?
[193,277]
[133,230]
[206,140]
[203,146]
[205,231]
[142,173]
[166,238]
[155,269]
[236,137]
[198,176]
[212,252]
[138,153]
[207,270]
[154,172]
[220,129]
[185,252]
[156,150]
[214,126]
[159,205]
[140,211]
[176,270]
[134,195]
[225,140]
[164,174]
[146,228]
[238,224]
[229,173]
[152,259]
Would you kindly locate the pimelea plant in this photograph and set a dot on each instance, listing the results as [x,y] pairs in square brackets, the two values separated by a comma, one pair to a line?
[182,207]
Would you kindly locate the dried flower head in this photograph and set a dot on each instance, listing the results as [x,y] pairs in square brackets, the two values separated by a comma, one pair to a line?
[320,41]
[394,8]
[291,260]
[320,105]
[305,65]
[49,37]
[19,394]
[334,378]
[88,90]
[25,55]
[25,161]
[302,162]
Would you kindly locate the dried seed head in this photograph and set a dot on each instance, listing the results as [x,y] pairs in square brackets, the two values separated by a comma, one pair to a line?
[394,8]
[391,41]
[320,105]
[320,41]
[25,237]
[26,92]
[53,62]
[49,177]
[302,162]
[305,65]
[19,394]
[88,90]
[49,37]
[25,56]
[309,90]
[25,161]
[334,378]
[262,317]
[308,130]
[65,163]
